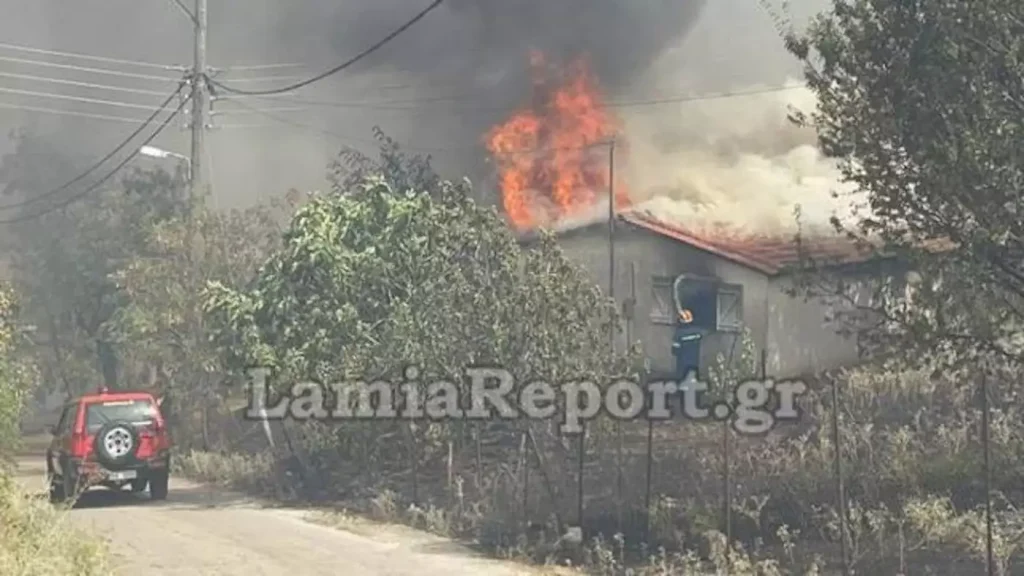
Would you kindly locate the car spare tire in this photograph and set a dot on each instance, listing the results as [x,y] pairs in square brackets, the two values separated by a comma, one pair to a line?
[116,444]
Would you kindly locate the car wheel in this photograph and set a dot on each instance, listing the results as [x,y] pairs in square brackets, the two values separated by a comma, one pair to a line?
[158,485]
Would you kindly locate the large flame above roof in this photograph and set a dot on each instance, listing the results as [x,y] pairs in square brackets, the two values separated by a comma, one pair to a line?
[553,155]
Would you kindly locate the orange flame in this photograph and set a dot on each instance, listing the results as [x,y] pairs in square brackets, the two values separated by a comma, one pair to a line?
[549,155]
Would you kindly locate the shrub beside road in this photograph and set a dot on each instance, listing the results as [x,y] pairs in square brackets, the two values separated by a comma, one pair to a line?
[35,538]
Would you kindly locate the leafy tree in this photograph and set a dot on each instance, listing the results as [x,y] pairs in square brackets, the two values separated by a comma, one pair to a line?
[17,377]
[921,102]
[63,258]
[160,327]
[371,279]
[376,278]
[401,171]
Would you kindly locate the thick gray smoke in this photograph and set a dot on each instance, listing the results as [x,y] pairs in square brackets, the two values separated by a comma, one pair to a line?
[436,89]
[486,42]
[479,49]
[736,159]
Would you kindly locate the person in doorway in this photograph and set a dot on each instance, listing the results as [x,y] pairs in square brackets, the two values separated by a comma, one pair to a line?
[686,346]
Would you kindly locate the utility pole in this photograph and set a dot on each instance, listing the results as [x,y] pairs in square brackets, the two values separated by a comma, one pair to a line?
[200,99]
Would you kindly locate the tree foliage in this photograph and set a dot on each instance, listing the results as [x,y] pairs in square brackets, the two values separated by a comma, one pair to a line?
[922,102]
[108,280]
[372,278]
[159,329]
[401,172]
[64,259]
[17,377]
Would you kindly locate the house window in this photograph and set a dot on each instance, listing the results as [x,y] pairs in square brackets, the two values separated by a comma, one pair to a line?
[729,308]
[699,296]
[715,306]
[663,308]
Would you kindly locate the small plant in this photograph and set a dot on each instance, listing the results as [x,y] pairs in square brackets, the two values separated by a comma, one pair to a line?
[384,506]
[36,539]
[938,522]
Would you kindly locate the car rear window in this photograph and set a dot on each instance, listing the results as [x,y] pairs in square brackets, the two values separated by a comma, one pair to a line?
[138,412]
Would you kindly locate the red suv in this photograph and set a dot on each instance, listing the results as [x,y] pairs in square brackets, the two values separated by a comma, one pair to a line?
[112,439]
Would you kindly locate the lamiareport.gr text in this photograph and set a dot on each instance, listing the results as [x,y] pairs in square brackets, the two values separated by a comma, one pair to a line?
[486,392]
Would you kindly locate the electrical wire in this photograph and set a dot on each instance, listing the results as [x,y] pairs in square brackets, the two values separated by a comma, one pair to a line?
[106,71]
[383,104]
[75,98]
[82,56]
[267,78]
[413,147]
[234,112]
[263,67]
[109,155]
[74,198]
[433,5]
[185,10]
[81,84]
[303,126]
[7,106]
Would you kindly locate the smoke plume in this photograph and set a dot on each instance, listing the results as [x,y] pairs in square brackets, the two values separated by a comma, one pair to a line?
[439,87]
[733,159]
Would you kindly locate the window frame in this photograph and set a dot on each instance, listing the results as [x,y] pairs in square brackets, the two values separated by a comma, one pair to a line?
[732,290]
[660,283]
[666,283]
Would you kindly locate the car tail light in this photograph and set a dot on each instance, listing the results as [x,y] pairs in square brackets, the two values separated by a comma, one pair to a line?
[80,446]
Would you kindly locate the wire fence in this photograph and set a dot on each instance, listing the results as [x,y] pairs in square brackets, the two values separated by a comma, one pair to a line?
[665,483]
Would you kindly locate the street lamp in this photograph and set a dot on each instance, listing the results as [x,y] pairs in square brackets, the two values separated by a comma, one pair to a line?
[154,152]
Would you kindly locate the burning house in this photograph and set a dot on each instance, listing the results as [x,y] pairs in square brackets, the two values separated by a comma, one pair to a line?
[731,284]
[556,172]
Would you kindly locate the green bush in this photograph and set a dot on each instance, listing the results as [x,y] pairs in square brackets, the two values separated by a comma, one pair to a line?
[36,539]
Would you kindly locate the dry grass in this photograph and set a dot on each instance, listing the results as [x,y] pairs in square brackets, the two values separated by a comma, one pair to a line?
[253,473]
[37,540]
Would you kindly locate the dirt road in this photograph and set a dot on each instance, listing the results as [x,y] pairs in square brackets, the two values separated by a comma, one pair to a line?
[204,531]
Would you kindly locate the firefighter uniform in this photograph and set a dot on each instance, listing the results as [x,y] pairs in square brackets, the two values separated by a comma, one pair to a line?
[686,346]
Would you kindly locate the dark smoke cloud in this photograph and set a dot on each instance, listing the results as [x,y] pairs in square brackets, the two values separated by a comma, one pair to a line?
[474,49]
[481,48]
[477,40]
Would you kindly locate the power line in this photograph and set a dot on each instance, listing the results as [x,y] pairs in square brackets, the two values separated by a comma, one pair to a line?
[433,5]
[109,155]
[407,146]
[263,67]
[181,6]
[75,98]
[267,78]
[234,112]
[384,104]
[681,99]
[82,56]
[106,177]
[87,69]
[302,126]
[81,84]
[55,111]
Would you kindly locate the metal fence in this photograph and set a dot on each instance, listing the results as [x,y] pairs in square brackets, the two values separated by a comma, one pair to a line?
[664,483]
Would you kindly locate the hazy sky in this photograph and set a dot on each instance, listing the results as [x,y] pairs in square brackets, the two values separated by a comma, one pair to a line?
[474,50]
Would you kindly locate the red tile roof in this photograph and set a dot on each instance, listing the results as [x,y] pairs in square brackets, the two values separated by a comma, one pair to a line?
[767,254]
